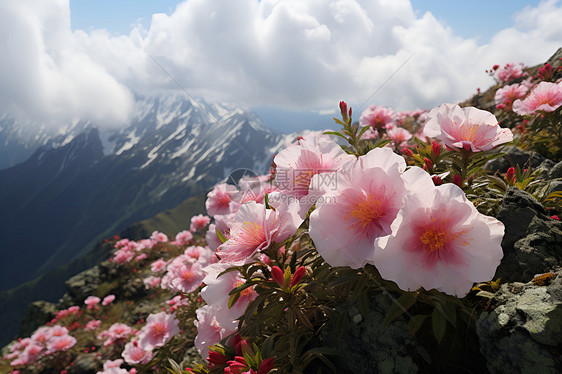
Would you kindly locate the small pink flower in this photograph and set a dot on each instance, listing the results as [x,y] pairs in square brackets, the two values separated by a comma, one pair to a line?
[92,325]
[159,237]
[209,331]
[545,97]
[253,229]
[184,275]
[141,257]
[159,329]
[297,164]
[509,73]
[134,354]
[399,136]
[218,200]
[439,240]
[112,364]
[217,288]
[183,238]
[60,343]
[151,282]
[92,301]
[378,117]
[158,265]
[506,95]
[199,222]
[468,129]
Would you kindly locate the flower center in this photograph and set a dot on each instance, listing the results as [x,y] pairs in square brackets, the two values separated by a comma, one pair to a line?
[253,233]
[433,240]
[368,210]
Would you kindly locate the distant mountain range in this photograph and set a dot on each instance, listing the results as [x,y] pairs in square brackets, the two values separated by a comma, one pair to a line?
[83,184]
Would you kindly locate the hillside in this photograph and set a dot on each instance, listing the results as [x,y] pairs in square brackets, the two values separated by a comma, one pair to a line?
[429,242]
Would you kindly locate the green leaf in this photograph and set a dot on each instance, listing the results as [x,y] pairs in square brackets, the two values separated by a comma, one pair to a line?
[220,235]
[416,322]
[439,324]
[336,134]
[266,200]
[450,313]
[362,132]
[400,306]
[233,299]
[242,287]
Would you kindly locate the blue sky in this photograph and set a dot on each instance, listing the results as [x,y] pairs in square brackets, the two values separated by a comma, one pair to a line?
[65,60]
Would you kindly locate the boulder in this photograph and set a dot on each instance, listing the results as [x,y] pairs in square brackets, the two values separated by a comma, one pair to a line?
[532,242]
[523,333]
[514,156]
[38,313]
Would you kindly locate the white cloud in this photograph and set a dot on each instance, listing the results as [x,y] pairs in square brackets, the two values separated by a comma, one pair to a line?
[293,54]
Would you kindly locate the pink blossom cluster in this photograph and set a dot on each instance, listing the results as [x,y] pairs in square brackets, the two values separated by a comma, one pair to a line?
[509,72]
[159,329]
[114,367]
[199,222]
[44,341]
[128,249]
[506,95]
[116,334]
[185,272]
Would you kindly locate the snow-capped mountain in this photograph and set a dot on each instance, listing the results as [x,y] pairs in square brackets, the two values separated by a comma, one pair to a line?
[83,184]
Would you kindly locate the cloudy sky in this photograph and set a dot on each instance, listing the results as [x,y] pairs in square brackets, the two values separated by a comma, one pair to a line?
[88,59]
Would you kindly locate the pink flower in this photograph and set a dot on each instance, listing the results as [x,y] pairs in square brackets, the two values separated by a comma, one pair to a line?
[141,257]
[151,282]
[199,254]
[159,237]
[217,288]
[159,329]
[253,229]
[209,331]
[60,343]
[199,222]
[116,333]
[439,240]
[92,325]
[378,117]
[158,265]
[468,129]
[545,97]
[399,136]
[92,301]
[506,95]
[349,218]
[298,163]
[221,224]
[134,354]
[184,275]
[108,300]
[218,200]
[183,238]
[370,133]
[509,73]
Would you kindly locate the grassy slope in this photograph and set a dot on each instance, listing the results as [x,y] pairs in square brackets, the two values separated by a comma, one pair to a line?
[50,287]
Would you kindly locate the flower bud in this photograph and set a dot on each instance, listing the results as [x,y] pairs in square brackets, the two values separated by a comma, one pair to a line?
[407,152]
[437,180]
[343,111]
[435,150]
[427,165]
[457,180]
[297,276]
[510,176]
[266,366]
[277,275]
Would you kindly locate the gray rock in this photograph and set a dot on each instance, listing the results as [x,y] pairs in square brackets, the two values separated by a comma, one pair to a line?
[523,334]
[367,346]
[532,240]
[546,168]
[38,313]
[514,156]
[83,284]
[556,171]
[86,363]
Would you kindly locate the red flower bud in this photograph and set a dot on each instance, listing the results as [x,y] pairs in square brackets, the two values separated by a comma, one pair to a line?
[297,276]
[266,366]
[216,358]
[457,180]
[343,111]
[555,217]
[427,164]
[407,151]
[277,275]
[437,180]
[435,149]
[495,67]
[510,176]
